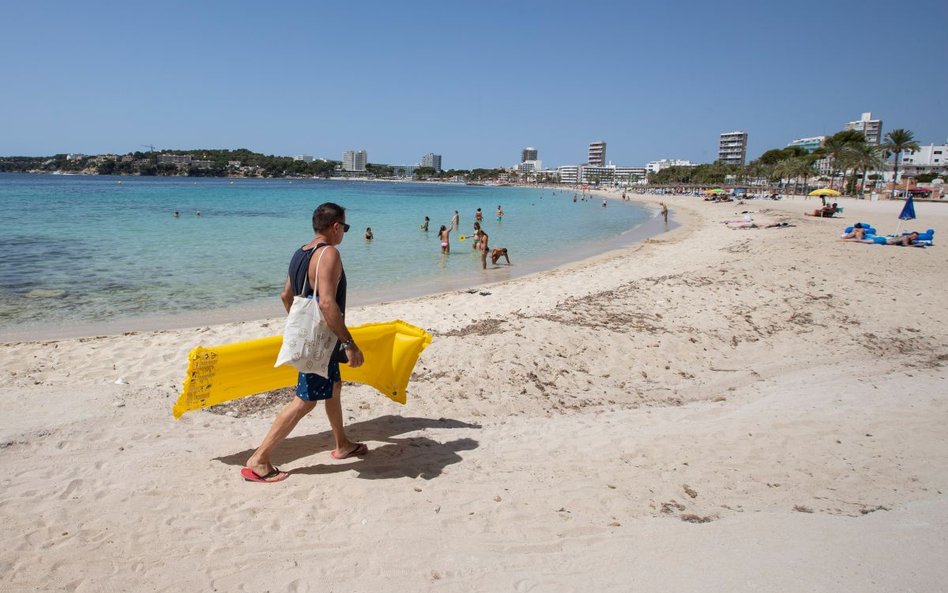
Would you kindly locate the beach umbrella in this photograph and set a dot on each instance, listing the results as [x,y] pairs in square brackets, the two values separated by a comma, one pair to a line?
[716,190]
[908,212]
[824,192]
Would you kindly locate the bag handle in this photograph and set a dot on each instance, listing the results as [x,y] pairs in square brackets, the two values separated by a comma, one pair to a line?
[306,277]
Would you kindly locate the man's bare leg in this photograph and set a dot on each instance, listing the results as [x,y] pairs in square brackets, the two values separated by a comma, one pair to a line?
[282,426]
[334,414]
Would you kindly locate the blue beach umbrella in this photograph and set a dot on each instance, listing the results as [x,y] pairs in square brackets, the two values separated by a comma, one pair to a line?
[908,211]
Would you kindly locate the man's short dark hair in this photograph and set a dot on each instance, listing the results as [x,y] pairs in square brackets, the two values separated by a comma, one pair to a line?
[326,215]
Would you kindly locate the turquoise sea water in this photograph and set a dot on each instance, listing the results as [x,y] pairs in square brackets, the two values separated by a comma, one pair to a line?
[84,250]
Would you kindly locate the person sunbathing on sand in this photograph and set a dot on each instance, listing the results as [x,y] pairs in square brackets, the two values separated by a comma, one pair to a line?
[857,234]
[908,240]
[825,211]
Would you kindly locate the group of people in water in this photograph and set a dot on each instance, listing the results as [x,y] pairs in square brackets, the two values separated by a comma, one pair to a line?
[480,241]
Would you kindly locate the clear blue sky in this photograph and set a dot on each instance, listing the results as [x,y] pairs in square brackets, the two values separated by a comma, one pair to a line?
[473,81]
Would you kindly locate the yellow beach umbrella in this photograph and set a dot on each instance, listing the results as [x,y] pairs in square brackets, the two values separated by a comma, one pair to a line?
[824,192]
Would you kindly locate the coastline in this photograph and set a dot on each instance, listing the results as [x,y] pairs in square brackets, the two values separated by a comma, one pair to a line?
[769,393]
[271,308]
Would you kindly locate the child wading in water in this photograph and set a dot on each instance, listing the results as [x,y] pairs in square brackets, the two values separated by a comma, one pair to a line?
[445,235]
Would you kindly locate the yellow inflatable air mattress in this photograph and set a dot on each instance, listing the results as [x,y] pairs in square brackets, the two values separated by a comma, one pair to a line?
[222,373]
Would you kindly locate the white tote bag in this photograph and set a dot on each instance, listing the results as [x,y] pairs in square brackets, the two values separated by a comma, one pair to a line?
[307,341]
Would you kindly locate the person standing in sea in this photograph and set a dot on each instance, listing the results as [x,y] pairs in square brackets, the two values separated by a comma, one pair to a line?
[445,235]
[326,273]
[456,220]
[482,247]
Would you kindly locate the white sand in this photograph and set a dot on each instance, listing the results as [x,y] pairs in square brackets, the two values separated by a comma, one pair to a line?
[567,432]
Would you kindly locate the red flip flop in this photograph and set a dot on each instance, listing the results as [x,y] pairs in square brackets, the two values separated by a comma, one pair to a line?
[361,449]
[274,475]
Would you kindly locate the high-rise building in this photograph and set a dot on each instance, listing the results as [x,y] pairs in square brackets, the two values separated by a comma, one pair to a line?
[354,160]
[597,154]
[872,128]
[732,148]
[528,154]
[432,160]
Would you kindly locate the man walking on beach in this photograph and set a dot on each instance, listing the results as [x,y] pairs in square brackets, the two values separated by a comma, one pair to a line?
[325,271]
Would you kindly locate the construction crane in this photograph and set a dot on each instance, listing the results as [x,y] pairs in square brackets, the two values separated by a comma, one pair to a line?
[150,147]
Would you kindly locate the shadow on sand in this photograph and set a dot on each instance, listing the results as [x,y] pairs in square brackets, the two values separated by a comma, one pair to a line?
[412,457]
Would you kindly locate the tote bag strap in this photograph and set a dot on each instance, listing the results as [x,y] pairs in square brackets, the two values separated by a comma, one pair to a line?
[306,277]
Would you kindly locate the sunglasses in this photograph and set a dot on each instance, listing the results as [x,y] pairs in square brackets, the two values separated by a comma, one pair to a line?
[345,227]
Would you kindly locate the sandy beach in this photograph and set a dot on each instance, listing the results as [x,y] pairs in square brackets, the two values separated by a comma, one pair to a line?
[714,409]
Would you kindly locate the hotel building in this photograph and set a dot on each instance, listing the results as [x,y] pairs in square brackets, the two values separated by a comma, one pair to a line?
[354,160]
[528,154]
[568,173]
[732,148]
[927,159]
[597,154]
[809,144]
[432,160]
[656,166]
[872,128]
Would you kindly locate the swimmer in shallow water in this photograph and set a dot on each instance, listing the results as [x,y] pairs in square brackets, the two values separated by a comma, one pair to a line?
[497,253]
[368,234]
[445,235]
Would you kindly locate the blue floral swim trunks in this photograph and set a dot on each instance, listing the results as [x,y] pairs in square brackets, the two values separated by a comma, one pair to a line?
[313,388]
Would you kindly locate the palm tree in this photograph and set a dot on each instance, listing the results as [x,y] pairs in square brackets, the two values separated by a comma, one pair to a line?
[863,158]
[802,167]
[837,146]
[785,169]
[897,141]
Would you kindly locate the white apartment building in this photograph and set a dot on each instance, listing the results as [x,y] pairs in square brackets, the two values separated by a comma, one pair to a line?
[354,160]
[174,159]
[432,160]
[530,166]
[927,159]
[630,174]
[656,166]
[568,173]
[306,158]
[597,154]
[732,148]
[872,128]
